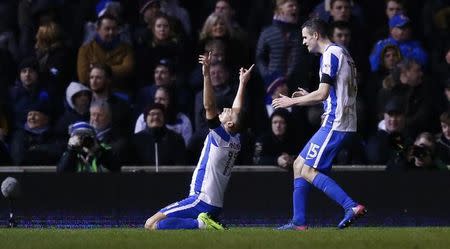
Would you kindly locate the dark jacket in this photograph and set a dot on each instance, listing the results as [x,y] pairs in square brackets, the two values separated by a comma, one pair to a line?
[31,148]
[171,148]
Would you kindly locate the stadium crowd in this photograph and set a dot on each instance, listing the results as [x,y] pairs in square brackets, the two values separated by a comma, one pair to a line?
[90,85]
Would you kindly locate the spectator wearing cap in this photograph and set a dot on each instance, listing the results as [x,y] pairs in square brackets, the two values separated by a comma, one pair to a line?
[164,43]
[391,8]
[157,144]
[35,144]
[78,99]
[100,80]
[109,7]
[26,91]
[391,140]
[163,75]
[400,35]
[107,48]
[85,154]
[279,146]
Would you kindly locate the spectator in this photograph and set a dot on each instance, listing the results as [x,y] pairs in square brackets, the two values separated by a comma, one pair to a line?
[277,49]
[26,92]
[421,155]
[101,120]
[177,122]
[100,83]
[35,144]
[85,154]
[113,8]
[172,8]
[8,42]
[418,97]
[276,86]
[277,147]
[400,35]
[78,99]
[108,49]
[163,75]
[54,58]
[443,139]
[164,44]
[392,8]
[157,144]
[389,143]
[218,26]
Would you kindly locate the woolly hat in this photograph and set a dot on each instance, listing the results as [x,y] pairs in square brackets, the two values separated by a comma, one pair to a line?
[29,62]
[81,128]
[398,21]
[42,106]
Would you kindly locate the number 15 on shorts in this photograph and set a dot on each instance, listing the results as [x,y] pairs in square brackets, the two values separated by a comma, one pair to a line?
[313,151]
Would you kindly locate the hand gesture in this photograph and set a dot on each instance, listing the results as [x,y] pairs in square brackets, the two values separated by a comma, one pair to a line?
[282,102]
[205,60]
[299,93]
[244,74]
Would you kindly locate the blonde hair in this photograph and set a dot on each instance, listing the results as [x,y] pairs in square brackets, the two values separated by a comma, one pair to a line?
[49,35]
[211,21]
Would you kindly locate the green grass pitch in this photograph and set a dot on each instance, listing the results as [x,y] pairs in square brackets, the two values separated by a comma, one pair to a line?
[351,238]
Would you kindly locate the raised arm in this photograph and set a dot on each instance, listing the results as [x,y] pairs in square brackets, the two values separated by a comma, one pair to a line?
[209,100]
[311,98]
[244,77]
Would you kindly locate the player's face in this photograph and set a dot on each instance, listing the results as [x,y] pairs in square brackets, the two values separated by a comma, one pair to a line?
[162,98]
[97,80]
[107,30]
[161,29]
[341,11]
[278,126]
[445,128]
[342,37]
[99,118]
[394,122]
[36,119]
[155,118]
[310,40]
[227,115]
[393,8]
[162,76]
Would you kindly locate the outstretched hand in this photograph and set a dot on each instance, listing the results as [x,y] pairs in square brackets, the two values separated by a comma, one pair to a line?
[244,74]
[299,93]
[205,60]
[282,102]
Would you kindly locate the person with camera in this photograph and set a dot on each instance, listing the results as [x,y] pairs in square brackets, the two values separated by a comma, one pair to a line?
[85,153]
[421,155]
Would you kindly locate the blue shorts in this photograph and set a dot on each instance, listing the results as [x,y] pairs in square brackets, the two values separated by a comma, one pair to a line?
[190,207]
[321,149]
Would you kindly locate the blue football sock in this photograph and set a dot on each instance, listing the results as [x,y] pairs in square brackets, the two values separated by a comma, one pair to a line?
[332,190]
[299,198]
[172,223]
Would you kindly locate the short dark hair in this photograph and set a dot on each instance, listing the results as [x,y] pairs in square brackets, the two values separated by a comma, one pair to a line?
[104,67]
[333,1]
[316,25]
[445,117]
[106,16]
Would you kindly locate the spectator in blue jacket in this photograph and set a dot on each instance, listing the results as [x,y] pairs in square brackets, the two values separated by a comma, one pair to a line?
[400,35]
